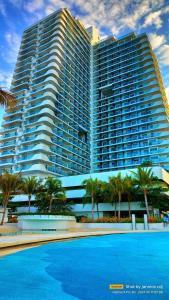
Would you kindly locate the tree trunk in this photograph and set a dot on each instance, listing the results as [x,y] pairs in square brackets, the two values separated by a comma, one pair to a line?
[29,203]
[119,194]
[111,200]
[4,211]
[129,206]
[92,209]
[50,205]
[146,203]
[97,204]
[115,208]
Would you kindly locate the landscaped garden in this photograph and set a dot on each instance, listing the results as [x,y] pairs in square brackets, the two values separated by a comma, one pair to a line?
[141,185]
[50,197]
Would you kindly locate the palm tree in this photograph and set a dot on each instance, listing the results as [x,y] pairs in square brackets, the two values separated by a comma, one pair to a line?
[100,195]
[145,180]
[118,183]
[92,187]
[146,163]
[54,188]
[9,183]
[7,99]
[112,195]
[59,205]
[30,186]
[129,187]
[43,199]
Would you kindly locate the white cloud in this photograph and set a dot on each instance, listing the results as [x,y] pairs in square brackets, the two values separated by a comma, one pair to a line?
[5,79]
[159,44]
[33,5]
[116,15]
[167,92]
[153,18]
[113,15]
[16,3]
[5,82]
[9,54]
[166,9]
[157,40]
[163,55]
[49,9]
[2,9]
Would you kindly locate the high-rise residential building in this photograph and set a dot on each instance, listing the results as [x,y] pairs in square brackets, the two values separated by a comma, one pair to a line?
[130,109]
[83,99]
[48,133]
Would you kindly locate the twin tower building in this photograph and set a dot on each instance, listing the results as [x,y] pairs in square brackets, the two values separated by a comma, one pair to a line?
[85,104]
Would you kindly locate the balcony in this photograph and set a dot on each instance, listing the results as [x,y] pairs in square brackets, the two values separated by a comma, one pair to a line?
[8,144]
[8,136]
[6,162]
[7,153]
[45,103]
[9,121]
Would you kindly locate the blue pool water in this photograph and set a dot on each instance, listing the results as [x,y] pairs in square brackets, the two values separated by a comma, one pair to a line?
[84,269]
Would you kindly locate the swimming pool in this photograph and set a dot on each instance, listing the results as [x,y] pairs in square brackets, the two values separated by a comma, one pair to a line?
[85,268]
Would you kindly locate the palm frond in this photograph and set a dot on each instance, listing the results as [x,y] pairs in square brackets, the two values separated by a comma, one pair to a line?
[7,99]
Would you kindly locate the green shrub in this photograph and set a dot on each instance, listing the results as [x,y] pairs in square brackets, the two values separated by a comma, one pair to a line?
[154,220]
[122,220]
[139,220]
[106,220]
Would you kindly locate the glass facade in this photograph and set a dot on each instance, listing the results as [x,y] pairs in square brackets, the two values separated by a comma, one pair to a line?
[49,131]
[84,104]
[130,110]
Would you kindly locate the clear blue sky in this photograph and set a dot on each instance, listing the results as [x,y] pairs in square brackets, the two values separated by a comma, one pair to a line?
[109,16]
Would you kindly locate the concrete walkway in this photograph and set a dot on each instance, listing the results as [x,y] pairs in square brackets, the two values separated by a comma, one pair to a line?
[10,241]
[10,244]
